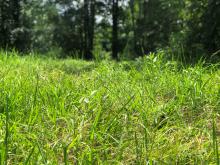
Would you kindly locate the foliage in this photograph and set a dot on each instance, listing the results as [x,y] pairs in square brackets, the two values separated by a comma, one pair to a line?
[126,29]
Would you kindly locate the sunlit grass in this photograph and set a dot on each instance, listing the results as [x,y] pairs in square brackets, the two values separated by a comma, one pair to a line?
[71,111]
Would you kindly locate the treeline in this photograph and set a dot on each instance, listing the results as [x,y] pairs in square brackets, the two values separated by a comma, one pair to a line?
[121,28]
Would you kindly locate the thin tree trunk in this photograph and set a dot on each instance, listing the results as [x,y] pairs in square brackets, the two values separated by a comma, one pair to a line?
[134,41]
[91,25]
[87,53]
[16,23]
[115,29]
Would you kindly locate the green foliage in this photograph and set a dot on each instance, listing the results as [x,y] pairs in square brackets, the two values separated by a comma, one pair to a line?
[14,30]
[200,33]
[133,112]
[125,29]
[68,30]
[157,21]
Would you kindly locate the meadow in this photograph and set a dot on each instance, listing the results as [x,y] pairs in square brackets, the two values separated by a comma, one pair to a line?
[148,111]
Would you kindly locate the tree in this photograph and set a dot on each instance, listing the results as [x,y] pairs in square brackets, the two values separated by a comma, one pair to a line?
[5,26]
[20,36]
[156,22]
[13,33]
[67,25]
[115,29]
[211,27]
[89,22]
[132,10]
[74,27]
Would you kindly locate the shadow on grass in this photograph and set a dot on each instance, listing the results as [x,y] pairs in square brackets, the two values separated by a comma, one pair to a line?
[73,69]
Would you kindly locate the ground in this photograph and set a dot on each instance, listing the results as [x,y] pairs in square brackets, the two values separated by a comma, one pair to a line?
[150,110]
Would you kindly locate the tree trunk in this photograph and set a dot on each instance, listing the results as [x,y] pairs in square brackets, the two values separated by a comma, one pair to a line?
[87,52]
[115,29]
[16,9]
[91,25]
[134,41]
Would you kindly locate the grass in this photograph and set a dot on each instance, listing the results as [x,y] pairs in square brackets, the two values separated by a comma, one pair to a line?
[76,112]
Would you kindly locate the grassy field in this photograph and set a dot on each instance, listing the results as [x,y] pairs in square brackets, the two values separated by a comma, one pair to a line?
[76,112]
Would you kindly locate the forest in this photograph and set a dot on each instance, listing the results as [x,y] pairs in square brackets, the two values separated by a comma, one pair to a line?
[121,29]
[109,82]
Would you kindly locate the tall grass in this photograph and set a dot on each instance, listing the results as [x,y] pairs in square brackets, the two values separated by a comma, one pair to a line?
[74,112]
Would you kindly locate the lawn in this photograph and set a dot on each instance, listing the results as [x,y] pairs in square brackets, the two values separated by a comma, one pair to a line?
[65,111]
